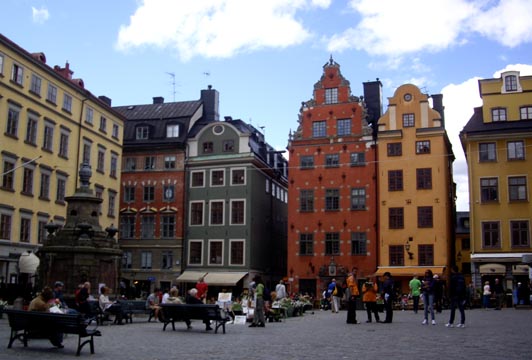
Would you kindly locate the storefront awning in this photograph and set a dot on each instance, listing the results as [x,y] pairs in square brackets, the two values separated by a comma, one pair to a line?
[409,270]
[190,276]
[224,278]
[495,269]
[520,269]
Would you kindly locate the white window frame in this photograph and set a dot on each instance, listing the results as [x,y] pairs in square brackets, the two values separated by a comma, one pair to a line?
[17,74]
[199,241]
[202,202]
[89,115]
[36,84]
[231,211]
[172,130]
[192,177]
[211,177]
[67,102]
[211,241]
[245,176]
[231,242]
[223,211]
[48,135]
[51,94]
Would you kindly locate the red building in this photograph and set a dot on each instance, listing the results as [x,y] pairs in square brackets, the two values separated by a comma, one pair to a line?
[332,208]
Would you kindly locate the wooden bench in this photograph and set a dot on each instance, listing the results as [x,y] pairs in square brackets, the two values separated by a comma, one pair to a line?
[38,325]
[170,313]
[134,307]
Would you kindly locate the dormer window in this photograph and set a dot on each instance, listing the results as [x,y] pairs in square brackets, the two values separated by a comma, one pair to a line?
[510,82]
[143,133]
[172,131]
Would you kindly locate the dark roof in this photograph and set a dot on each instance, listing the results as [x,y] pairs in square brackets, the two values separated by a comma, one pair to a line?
[171,110]
[477,125]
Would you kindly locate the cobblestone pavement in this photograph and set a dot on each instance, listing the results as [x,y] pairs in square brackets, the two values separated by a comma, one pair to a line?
[489,334]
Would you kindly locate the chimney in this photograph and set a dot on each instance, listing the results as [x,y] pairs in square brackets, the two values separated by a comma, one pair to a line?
[105,99]
[373,100]
[158,100]
[64,72]
[437,104]
[211,102]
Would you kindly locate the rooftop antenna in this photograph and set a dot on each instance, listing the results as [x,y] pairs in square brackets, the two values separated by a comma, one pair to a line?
[173,82]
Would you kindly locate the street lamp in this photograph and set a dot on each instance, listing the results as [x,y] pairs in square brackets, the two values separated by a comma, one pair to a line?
[410,254]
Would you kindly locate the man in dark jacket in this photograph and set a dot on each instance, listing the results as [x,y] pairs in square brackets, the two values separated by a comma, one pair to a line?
[499,293]
[457,292]
[388,295]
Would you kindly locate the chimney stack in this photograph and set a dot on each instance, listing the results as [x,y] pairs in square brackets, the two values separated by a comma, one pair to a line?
[437,104]
[158,100]
[211,104]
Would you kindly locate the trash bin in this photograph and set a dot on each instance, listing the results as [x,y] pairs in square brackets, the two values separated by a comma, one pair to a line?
[509,300]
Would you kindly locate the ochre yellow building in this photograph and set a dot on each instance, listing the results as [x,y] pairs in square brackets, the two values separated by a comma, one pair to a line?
[497,143]
[416,202]
[49,124]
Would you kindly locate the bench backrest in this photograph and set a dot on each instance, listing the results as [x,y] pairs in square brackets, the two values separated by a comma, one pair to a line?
[191,311]
[46,322]
[133,304]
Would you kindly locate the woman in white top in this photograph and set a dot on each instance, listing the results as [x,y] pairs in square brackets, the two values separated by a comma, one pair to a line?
[486,295]
[111,307]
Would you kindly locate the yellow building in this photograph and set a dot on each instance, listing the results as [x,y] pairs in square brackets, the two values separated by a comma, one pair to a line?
[49,124]
[416,202]
[497,142]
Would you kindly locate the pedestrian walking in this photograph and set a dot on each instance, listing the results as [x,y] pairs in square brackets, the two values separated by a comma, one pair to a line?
[457,292]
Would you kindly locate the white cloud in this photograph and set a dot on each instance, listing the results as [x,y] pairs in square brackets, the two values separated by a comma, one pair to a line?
[216,28]
[459,101]
[394,28]
[39,16]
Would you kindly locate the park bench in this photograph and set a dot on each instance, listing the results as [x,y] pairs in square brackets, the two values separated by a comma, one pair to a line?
[170,313]
[135,307]
[27,325]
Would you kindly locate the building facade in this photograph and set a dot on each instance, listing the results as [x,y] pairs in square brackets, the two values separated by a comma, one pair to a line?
[152,203]
[332,192]
[50,124]
[497,142]
[416,190]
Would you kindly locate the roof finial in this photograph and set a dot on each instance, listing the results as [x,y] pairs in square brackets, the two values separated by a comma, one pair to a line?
[331,61]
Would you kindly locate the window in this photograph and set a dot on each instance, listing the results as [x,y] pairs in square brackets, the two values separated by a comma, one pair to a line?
[114,165]
[516,150]
[196,213]
[149,193]
[44,190]
[142,133]
[167,260]
[1,64]
[424,178]
[17,74]
[487,152]
[228,146]
[169,162]
[67,102]
[510,83]
[115,131]
[332,199]
[498,114]
[358,159]
[238,176]
[307,162]
[395,180]
[319,129]
[129,194]
[127,258]
[520,233]
[41,231]
[396,218]
[331,96]
[236,256]
[5,227]
[168,226]
[423,147]
[51,96]
[48,138]
[145,260]
[408,120]
[35,86]
[306,244]
[149,163]
[490,234]
[217,177]
[216,252]
[131,164]
[197,178]
[168,192]
[466,244]
[147,226]
[61,189]
[517,190]
[208,147]
[8,175]
[100,161]
[358,199]
[489,189]
[332,160]
[238,208]
[27,181]
[195,252]
[103,124]
[217,212]
[89,115]
[358,243]
[172,131]
[332,244]
[127,226]
[31,130]
[12,121]
[306,200]
[343,127]
[424,217]
[426,255]
[25,230]
[397,255]
[395,149]
[526,112]
[63,144]
[98,192]
[112,203]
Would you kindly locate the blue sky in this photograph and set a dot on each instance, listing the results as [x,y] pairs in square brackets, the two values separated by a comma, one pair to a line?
[265,56]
